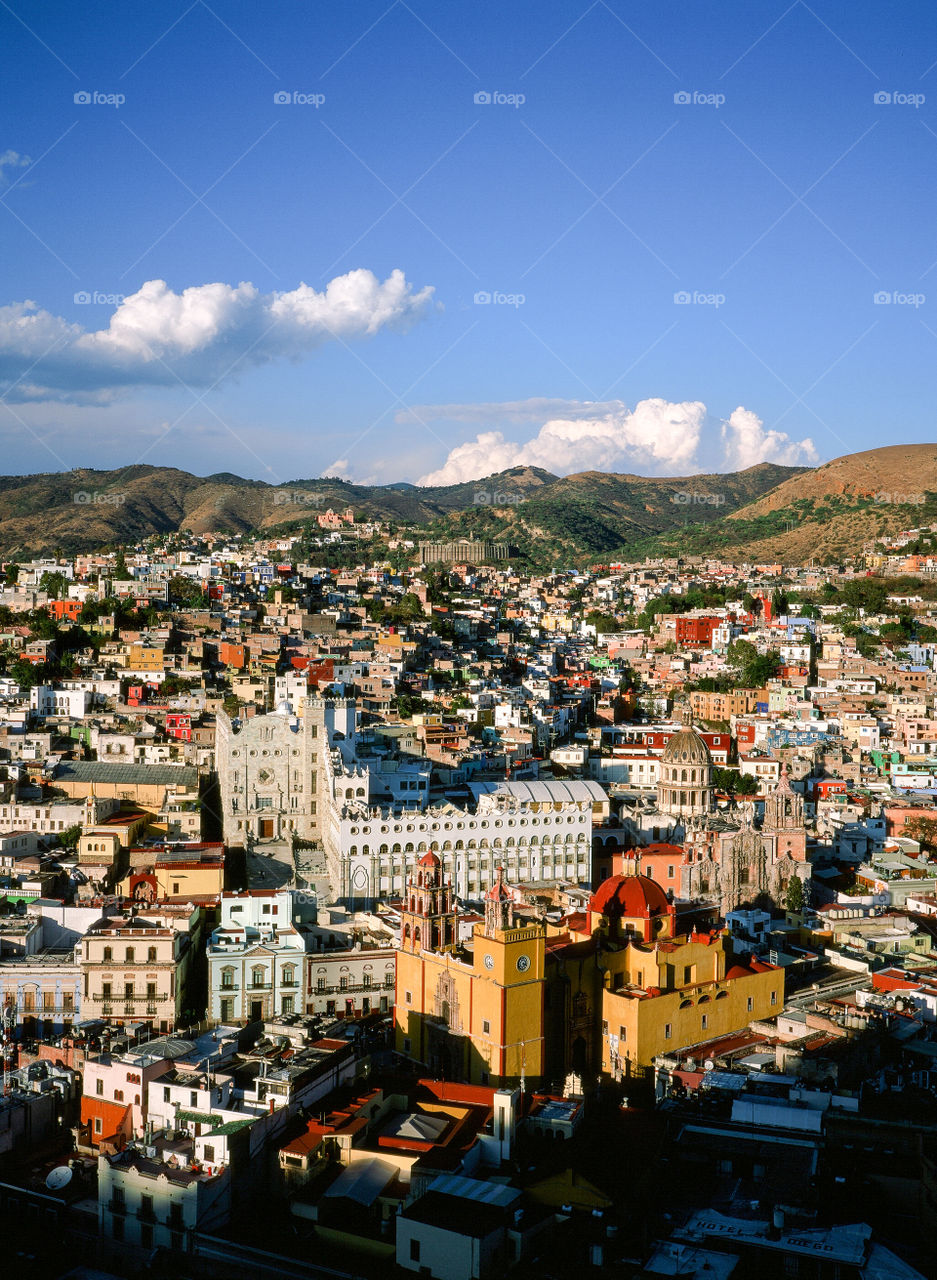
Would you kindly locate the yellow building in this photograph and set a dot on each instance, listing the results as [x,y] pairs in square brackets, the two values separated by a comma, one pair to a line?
[476,1013]
[662,990]
[607,990]
[146,658]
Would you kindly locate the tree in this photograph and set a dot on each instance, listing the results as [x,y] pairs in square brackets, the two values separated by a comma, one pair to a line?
[11,573]
[121,573]
[794,898]
[186,591]
[602,622]
[53,584]
[70,836]
[924,830]
[751,668]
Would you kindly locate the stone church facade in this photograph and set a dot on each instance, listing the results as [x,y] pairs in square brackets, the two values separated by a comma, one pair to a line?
[730,858]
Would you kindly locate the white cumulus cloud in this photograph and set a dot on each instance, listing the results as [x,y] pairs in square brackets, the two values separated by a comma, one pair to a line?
[746,442]
[655,436]
[156,337]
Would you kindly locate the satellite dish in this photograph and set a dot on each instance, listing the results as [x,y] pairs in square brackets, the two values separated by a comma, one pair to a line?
[59,1177]
[708,1064]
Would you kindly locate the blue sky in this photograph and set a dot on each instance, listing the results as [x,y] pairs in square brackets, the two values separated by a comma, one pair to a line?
[657,238]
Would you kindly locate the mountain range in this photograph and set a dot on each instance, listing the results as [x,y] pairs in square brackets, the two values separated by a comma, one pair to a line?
[765,512]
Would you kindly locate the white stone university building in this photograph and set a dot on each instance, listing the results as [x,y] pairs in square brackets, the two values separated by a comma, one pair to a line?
[269,769]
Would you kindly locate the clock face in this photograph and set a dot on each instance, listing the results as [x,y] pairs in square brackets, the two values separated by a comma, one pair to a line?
[489,962]
[523,963]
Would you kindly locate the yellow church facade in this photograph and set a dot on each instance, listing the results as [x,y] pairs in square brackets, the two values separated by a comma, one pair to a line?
[608,991]
[476,1017]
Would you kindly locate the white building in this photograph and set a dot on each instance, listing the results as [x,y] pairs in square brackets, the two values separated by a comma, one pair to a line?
[49,700]
[268,769]
[536,830]
[256,955]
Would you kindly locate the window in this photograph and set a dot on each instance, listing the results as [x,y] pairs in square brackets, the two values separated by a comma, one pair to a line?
[193,1098]
[414,1250]
[750,1004]
[668,1030]
[687,974]
[704,1021]
[320,984]
[108,955]
[106,990]
[99,1087]
[151,991]
[604,1028]
[97,1124]
[774,997]
[209,1153]
[130,955]
[151,954]
[287,1004]
[343,983]
[408,998]
[486,1028]
[117,1228]
[166,1093]
[146,1235]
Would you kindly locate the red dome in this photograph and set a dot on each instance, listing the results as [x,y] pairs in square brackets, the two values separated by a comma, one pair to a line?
[629,896]
[430,860]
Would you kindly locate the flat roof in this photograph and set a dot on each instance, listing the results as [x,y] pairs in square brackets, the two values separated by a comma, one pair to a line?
[105,771]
